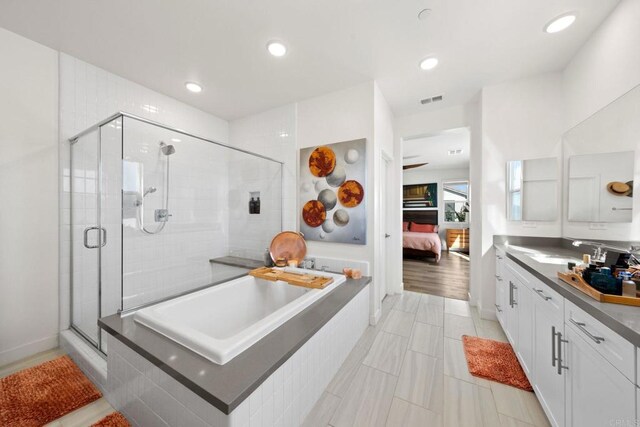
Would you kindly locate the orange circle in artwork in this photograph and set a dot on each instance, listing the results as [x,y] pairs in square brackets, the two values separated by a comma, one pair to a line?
[322,161]
[314,213]
[350,194]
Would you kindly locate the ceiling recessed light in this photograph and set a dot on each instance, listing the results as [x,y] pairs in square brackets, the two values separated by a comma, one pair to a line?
[560,23]
[276,48]
[429,63]
[193,87]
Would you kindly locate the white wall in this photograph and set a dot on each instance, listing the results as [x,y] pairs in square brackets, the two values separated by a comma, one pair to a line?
[607,65]
[425,175]
[29,194]
[521,120]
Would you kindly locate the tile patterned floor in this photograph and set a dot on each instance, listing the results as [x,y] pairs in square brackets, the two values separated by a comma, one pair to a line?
[410,370]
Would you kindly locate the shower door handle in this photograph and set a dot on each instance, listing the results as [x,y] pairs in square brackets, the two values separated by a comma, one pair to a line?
[86,238]
[104,237]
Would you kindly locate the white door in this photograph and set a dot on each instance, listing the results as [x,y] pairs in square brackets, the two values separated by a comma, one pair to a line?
[381,284]
[597,393]
[548,318]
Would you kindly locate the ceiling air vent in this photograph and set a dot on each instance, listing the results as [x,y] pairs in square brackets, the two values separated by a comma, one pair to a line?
[430,100]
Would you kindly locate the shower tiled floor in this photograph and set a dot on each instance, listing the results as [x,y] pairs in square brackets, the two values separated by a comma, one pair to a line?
[410,370]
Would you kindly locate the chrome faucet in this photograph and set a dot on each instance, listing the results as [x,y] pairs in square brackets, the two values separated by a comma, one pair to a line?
[599,255]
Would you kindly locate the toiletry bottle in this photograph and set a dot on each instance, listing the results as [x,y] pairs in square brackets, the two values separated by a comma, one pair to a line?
[268,262]
[256,206]
[252,206]
[628,285]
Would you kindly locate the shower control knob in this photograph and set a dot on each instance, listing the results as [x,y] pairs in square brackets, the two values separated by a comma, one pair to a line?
[161,215]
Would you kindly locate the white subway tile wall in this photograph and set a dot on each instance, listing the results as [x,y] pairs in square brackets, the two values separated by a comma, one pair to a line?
[87,359]
[89,94]
[271,134]
[149,397]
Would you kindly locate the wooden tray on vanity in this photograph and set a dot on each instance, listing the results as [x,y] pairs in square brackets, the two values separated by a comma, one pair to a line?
[578,282]
[297,279]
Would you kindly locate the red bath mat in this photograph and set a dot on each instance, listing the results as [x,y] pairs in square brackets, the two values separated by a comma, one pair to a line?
[43,393]
[495,361]
[115,419]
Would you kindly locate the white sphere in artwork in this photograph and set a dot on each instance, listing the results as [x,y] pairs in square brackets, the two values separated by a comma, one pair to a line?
[306,187]
[328,226]
[351,156]
[320,185]
[328,199]
[341,217]
[337,177]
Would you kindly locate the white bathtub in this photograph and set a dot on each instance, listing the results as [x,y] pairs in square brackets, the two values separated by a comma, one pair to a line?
[223,321]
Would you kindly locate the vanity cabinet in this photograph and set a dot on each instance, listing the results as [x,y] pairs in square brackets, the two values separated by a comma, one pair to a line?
[597,394]
[583,373]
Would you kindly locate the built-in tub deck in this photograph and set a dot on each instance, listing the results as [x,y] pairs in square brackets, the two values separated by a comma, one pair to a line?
[226,386]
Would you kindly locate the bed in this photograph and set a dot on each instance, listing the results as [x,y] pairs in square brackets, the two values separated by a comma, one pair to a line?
[420,234]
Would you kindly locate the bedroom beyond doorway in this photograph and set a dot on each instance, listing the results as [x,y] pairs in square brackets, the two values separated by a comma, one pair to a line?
[436,214]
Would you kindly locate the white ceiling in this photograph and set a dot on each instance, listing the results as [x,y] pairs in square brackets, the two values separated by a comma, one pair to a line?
[333,44]
[433,149]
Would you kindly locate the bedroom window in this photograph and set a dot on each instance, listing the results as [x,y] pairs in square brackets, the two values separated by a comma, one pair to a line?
[456,201]
[514,190]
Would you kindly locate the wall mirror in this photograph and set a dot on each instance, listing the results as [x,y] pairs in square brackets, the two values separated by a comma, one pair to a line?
[601,187]
[532,189]
[602,157]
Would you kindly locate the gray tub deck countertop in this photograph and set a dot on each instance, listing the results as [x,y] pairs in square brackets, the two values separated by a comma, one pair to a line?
[226,386]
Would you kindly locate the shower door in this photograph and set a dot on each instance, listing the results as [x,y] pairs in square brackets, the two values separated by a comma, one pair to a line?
[96,279]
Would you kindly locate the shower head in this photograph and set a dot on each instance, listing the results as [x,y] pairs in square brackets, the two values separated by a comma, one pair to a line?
[149,191]
[167,150]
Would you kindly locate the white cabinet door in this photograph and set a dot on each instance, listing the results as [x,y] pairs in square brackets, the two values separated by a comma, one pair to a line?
[597,393]
[548,319]
[513,290]
[525,328]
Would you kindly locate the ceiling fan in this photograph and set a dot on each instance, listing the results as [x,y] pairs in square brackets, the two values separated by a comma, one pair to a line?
[415,165]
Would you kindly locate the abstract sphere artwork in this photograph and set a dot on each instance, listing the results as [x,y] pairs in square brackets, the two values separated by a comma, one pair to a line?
[332,192]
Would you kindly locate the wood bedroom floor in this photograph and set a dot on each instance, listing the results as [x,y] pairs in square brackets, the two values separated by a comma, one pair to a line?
[449,278]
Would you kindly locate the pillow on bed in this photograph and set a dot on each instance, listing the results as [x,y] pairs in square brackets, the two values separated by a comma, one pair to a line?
[423,228]
[405,225]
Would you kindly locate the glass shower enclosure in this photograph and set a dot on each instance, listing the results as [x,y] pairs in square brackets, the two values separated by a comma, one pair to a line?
[157,212]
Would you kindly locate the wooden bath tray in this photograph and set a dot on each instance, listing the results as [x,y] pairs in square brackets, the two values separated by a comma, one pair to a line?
[297,279]
[578,282]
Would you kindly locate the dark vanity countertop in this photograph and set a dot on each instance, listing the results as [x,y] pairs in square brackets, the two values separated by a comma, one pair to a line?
[623,319]
[226,386]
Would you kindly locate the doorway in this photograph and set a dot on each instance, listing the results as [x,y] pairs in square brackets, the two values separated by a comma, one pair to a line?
[436,213]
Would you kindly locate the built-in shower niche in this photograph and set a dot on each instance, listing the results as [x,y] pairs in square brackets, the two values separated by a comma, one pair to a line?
[151,206]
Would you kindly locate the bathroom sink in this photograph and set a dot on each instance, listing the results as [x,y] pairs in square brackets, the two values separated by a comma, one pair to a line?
[551,259]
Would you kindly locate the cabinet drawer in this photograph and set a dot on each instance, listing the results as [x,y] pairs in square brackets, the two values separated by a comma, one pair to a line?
[544,292]
[615,349]
[520,273]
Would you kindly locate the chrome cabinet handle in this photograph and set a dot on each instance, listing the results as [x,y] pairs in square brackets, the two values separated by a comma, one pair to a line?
[512,300]
[498,278]
[553,346]
[86,238]
[510,293]
[560,341]
[498,308]
[581,326]
[541,293]
[498,256]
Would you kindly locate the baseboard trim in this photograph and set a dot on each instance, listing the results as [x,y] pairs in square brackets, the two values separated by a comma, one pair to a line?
[375,318]
[17,353]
